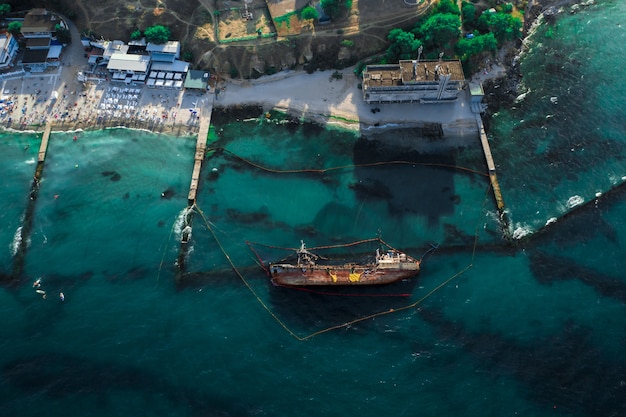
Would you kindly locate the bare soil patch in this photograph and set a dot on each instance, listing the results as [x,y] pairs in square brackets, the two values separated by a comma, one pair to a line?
[234,25]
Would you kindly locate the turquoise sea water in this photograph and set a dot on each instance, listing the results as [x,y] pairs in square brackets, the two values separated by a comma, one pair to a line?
[535,327]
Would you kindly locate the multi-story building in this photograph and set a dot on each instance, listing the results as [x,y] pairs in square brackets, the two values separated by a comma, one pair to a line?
[38,29]
[8,50]
[432,81]
[128,68]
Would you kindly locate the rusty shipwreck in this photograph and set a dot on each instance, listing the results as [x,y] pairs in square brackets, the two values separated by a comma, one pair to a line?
[305,268]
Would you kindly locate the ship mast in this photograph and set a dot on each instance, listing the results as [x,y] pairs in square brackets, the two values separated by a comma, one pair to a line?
[305,258]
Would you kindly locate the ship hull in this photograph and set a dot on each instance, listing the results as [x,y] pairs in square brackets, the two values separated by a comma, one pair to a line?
[283,274]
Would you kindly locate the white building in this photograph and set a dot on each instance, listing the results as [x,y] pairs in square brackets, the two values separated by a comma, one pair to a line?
[8,50]
[167,52]
[413,81]
[167,75]
[128,68]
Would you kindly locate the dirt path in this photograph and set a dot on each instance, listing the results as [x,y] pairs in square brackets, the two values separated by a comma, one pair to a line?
[84,10]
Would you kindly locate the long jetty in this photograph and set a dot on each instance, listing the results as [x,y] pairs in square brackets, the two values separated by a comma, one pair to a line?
[490,164]
[43,148]
[205,112]
[203,134]
[27,224]
[497,193]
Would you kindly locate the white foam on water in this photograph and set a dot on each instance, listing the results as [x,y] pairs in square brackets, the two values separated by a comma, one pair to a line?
[180,222]
[17,240]
[574,201]
[522,96]
[30,161]
[520,231]
[551,220]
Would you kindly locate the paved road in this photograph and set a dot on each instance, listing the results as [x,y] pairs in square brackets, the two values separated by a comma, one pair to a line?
[72,61]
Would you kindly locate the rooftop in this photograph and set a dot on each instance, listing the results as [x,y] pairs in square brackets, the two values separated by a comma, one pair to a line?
[37,42]
[125,62]
[35,56]
[113,47]
[169,47]
[39,20]
[412,72]
[197,79]
[176,66]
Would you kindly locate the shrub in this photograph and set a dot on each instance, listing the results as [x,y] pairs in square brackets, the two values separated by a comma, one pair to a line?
[136,35]
[309,13]
[14,28]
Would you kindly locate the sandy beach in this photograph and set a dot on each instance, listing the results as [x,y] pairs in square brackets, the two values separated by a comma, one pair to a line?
[326,98]
[29,100]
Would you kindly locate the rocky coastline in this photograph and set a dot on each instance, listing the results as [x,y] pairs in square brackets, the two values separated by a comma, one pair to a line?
[502,91]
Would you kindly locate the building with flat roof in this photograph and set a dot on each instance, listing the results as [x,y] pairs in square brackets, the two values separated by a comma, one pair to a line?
[35,60]
[128,68]
[38,43]
[38,29]
[166,52]
[39,23]
[197,80]
[167,75]
[130,63]
[409,81]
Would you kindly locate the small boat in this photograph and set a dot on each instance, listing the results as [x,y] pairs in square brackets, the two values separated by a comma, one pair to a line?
[310,269]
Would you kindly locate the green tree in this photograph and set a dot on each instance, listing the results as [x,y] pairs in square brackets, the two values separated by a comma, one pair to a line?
[403,45]
[440,29]
[5,9]
[157,34]
[447,6]
[466,48]
[504,26]
[468,12]
[15,28]
[507,7]
[309,13]
[136,35]
[63,34]
[333,8]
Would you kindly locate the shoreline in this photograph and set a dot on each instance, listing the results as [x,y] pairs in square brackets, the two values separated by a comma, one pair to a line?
[329,98]
[73,127]
[80,127]
[334,98]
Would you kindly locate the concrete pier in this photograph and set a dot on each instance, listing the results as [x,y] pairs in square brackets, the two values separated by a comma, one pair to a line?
[43,148]
[205,110]
[490,164]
